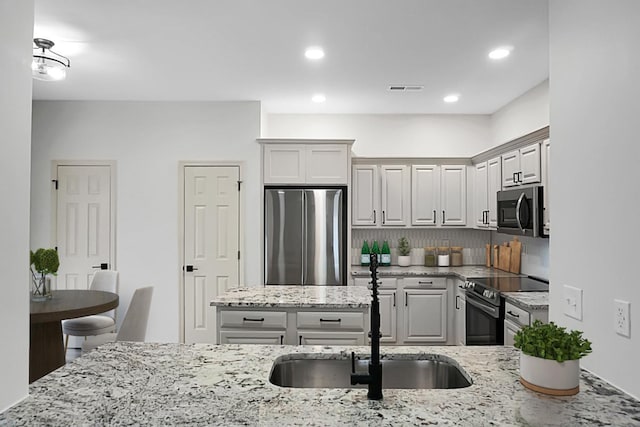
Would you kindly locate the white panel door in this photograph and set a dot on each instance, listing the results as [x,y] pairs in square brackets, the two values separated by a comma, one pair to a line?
[83,223]
[395,195]
[494,184]
[453,194]
[510,167]
[425,194]
[388,315]
[327,164]
[284,164]
[480,203]
[211,239]
[366,195]
[546,159]
[425,315]
[530,164]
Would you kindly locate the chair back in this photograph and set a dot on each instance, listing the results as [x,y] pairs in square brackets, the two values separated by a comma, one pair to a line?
[134,325]
[107,281]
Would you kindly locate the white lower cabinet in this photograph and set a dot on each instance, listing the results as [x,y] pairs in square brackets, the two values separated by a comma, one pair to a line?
[510,331]
[461,317]
[516,316]
[388,315]
[252,337]
[425,315]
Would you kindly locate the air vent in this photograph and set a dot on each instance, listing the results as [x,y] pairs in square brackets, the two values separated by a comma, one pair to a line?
[405,88]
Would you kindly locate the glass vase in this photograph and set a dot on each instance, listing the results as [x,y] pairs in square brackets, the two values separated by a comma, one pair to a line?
[40,288]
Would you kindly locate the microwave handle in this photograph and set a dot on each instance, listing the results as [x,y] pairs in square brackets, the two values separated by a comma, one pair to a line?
[518,212]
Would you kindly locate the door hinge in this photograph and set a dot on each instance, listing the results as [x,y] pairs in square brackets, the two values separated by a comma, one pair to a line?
[238,254]
[55,181]
[239,184]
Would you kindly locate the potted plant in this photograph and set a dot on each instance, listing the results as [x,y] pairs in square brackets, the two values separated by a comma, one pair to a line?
[404,260]
[43,262]
[550,358]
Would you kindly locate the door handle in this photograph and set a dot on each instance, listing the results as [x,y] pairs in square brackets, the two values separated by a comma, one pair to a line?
[103,266]
[281,339]
[518,212]
[515,180]
[434,216]
[457,298]
[190,268]
[520,177]
[374,216]
[394,299]
[443,218]
[383,218]
[406,299]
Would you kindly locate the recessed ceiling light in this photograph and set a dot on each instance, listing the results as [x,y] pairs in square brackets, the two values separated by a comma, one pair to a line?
[451,98]
[500,53]
[314,53]
[318,97]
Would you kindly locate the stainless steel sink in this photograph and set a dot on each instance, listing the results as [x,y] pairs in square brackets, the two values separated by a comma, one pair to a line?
[406,371]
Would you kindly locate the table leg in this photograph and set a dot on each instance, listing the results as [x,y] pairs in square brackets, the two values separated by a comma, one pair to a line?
[46,349]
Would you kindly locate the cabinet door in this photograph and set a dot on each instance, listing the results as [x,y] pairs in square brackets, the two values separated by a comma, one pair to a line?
[453,194]
[546,153]
[331,338]
[510,330]
[530,164]
[510,166]
[425,315]
[425,194]
[461,319]
[494,184]
[395,195]
[327,164]
[365,195]
[284,164]
[251,337]
[388,315]
[480,205]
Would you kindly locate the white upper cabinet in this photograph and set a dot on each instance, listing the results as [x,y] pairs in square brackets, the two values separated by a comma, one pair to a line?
[395,195]
[453,194]
[494,184]
[546,153]
[425,194]
[365,196]
[306,163]
[521,166]
[480,200]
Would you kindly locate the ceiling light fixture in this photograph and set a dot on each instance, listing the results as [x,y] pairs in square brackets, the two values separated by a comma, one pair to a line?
[451,98]
[314,53]
[499,53]
[318,98]
[48,65]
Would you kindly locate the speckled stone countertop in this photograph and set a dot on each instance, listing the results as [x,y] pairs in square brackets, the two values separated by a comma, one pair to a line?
[464,272]
[530,300]
[296,297]
[177,384]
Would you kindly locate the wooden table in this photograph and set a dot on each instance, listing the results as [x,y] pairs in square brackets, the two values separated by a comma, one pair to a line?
[46,349]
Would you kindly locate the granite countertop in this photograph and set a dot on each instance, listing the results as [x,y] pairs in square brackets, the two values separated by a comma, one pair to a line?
[296,297]
[529,300]
[464,272]
[178,384]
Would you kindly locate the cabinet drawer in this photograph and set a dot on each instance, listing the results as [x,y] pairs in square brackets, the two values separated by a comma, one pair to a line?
[331,338]
[517,314]
[383,283]
[330,320]
[253,319]
[426,282]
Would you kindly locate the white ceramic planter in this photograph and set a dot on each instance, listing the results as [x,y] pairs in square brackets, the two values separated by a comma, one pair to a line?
[549,376]
[404,261]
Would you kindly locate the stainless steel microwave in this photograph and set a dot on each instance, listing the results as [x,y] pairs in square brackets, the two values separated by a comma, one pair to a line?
[520,211]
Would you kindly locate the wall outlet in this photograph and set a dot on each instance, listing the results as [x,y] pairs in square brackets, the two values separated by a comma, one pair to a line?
[572,302]
[621,313]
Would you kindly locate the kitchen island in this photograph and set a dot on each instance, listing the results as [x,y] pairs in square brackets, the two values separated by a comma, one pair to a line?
[202,384]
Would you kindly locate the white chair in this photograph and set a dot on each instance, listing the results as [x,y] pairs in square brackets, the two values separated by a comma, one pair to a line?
[103,280]
[134,325]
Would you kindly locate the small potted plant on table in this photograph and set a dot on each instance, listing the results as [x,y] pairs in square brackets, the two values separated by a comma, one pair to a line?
[44,262]
[404,260]
[550,358]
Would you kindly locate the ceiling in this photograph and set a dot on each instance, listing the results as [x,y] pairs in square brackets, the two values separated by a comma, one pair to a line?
[222,50]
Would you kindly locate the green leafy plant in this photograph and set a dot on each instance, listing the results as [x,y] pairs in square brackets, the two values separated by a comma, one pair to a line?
[403,246]
[550,341]
[44,261]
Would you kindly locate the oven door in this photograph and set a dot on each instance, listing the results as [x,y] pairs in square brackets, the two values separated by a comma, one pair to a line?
[484,322]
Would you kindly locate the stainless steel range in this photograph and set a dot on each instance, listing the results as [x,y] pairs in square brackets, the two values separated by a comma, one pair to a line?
[485,305]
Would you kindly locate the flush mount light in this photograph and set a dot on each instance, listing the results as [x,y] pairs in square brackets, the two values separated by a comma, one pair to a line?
[318,97]
[314,53]
[451,98]
[48,65]
[500,53]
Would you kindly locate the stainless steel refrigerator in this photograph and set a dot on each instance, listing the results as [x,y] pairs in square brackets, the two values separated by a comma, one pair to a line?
[305,236]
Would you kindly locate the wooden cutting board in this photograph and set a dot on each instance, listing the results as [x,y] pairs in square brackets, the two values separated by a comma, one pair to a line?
[488,255]
[516,251]
[495,256]
[505,257]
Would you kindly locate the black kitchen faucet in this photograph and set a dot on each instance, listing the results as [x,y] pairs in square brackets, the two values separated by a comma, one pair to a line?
[374,378]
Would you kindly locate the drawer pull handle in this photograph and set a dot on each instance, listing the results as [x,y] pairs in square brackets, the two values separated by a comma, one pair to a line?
[513,314]
[425,283]
[331,320]
[248,319]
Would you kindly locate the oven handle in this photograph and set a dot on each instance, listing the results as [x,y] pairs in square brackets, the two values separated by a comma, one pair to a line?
[492,311]
[518,212]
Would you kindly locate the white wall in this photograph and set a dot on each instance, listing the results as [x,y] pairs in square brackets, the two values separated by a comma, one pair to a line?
[595,105]
[390,135]
[523,115]
[147,140]
[16,24]
[534,260]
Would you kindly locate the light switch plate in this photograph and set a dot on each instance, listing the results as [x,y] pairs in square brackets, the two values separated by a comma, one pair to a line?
[572,302]
[621,313]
